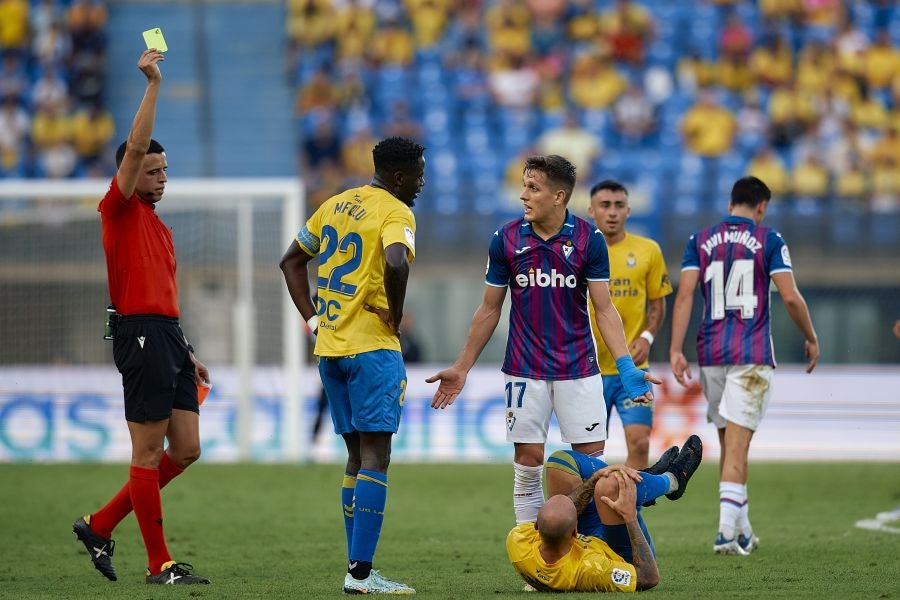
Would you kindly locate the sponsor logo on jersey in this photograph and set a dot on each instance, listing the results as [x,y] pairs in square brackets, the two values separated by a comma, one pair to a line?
[553,279]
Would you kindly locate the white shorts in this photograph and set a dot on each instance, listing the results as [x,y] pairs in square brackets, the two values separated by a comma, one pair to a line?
[578,404]
[737,393]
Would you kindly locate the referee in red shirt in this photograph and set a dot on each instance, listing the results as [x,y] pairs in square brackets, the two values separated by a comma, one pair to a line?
[159,371]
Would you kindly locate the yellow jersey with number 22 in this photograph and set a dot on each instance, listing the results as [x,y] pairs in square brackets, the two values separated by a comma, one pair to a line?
[348,233]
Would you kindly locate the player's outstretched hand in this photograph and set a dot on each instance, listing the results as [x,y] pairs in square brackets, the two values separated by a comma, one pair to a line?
[147,64]
[680,368]
[811,350]
[451,384]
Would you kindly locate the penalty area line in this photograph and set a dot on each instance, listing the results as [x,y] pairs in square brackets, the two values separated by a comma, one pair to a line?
[880,522]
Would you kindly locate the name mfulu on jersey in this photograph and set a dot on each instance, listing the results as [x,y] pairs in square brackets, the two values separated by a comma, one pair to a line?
[351,209]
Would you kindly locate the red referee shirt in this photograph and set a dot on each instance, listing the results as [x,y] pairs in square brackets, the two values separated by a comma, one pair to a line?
[140,256]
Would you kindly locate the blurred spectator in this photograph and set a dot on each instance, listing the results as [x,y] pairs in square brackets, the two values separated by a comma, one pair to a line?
[356,157]
[92,130]
[886,186]
[49,89]
[772,62]
[881,62]
[790,112]
[355,24]
[54,46]
[429,17]
[595,83]
[693,73]
[86,78]
[850,45]
[310,23]
[401,123]
[44,14]
[328,181]
[815,67]
[514,84]
[868,112]
[734,74]
[574,142]
[14,127]
[708,128]
[317,95]
[634,115]
[629,28]
[13,25]
[392,44]
[852,183]
[87,20]
[735,38]
[13,80]
[809,179]
[322,147]
[886,148]
[768,166]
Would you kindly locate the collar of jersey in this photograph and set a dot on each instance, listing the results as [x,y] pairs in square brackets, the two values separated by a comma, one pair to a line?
[566,230]
[734,219]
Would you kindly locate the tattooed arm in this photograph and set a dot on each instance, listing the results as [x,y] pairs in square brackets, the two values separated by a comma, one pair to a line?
[643,560]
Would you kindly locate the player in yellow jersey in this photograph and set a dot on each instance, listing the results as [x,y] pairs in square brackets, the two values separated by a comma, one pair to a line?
[602,501]
[365,240]
[551,556]
[638,285]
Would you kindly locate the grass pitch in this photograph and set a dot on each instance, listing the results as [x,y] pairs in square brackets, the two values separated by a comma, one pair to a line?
[274,531]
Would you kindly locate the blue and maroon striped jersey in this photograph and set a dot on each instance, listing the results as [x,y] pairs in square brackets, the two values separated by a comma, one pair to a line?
[549,328]
[736,259]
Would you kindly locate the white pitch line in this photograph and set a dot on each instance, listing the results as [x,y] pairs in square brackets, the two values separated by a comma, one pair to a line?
[879,523]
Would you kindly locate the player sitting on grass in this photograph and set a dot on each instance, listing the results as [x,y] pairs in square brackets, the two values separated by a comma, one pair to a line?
[612,552]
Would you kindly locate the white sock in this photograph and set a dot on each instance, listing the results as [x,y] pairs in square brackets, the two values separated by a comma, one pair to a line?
[732,497]
[743,523]
[528,493]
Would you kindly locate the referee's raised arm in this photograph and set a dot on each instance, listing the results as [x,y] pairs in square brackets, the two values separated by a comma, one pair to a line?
[129,167]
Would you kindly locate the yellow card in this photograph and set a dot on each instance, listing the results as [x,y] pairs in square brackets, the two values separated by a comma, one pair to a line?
[154,39]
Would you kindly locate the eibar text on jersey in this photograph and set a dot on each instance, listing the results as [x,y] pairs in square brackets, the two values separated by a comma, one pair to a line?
[732,237]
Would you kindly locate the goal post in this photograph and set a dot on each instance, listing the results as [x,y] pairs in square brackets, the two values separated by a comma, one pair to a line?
[229,234]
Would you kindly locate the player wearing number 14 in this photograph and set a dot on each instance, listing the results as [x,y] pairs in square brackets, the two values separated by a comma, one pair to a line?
[735,260]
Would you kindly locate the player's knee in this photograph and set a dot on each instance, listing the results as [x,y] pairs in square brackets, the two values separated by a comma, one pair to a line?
[147,456]
[184,456]
[640,446]
[606,486]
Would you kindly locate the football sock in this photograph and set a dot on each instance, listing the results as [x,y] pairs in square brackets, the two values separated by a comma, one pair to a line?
[107,518]
[528,493]
[743,524]
[368,515]
[732,497]
[144,487]
[654,486]
[348,488]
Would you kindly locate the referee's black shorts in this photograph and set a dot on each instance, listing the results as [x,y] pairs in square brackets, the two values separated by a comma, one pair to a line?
[151,353]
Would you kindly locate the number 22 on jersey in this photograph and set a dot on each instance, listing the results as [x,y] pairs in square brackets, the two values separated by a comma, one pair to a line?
[735,293]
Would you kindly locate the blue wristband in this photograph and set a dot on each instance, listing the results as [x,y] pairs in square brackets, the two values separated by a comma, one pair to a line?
[632,378]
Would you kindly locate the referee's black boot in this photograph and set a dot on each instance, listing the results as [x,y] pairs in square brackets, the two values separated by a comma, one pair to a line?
[176,574]
[99,548]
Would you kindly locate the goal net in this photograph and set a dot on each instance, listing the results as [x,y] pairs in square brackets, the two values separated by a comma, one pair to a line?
[229,236]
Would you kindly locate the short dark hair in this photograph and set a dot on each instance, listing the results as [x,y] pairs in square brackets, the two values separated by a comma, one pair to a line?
[608,184]
[155,148]
[396,154]
[750,191]
[557,169]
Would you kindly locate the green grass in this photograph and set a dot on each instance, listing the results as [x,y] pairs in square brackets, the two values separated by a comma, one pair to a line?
[274,531]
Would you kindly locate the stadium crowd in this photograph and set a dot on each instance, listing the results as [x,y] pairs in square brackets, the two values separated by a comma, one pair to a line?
[804,94]
[53,123]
